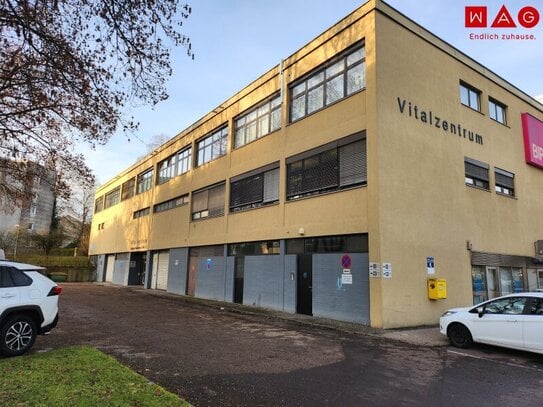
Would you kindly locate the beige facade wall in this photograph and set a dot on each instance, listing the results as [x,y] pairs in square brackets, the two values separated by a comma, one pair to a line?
[425,207]
[338,213]
[416,203]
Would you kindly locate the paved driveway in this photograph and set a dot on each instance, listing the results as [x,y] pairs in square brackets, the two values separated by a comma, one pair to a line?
[216,357]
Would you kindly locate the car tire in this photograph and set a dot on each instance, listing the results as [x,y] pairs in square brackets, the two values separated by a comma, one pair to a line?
[459,336]
[17,335]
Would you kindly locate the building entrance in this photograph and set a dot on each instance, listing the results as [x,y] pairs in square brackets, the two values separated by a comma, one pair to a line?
[304,299]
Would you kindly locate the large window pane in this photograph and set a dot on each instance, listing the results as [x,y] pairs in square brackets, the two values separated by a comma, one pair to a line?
[334,90]
[212,147]
[315,99]
[356,78]
[309,95]
[256,123]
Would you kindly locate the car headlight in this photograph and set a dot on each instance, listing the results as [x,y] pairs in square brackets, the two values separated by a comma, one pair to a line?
[448,313]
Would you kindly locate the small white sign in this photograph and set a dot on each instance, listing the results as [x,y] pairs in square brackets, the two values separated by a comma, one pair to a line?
[430,265]
[375,270]
[346,271]
[387,270]
[346,279]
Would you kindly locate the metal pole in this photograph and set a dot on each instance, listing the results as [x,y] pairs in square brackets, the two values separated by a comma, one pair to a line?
[16,241]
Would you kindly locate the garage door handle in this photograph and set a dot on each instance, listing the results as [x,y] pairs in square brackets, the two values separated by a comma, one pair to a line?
[512,320]
[8,295]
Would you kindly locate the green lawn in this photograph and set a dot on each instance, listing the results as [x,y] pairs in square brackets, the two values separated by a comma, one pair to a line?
[77,376]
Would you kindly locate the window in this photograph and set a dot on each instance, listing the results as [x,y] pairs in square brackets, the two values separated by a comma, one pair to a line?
[254,248]
[332,167]
[128,189]
[184,161]
[496,111]
[30,226]
[145,181]
[470,96]
[11,277]
[212,146]
[112,198]
[258,122]
[255,189]
[509,306]
[504,182]
[166,169]
[172,203]
[175,165]
[99,204]
[336,80]
[328,244]
[476,173]
[33,209]
[141,213]
[208,202]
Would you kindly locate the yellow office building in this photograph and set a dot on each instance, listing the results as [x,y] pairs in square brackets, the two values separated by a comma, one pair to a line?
[338,183]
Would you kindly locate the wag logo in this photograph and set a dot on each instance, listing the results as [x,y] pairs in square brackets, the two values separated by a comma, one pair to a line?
[495,22]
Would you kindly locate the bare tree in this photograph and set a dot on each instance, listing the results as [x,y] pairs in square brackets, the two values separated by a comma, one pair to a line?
[67,70]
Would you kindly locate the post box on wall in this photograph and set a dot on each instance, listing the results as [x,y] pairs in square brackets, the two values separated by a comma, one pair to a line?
[437,288]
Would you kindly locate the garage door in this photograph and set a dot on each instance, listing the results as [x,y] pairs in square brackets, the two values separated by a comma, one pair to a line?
[110,266]
[160,270]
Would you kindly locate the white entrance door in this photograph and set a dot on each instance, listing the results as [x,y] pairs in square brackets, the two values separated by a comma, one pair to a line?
[110,266]
[160,270]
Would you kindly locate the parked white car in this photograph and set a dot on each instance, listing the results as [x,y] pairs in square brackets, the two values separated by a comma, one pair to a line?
[512,321]
[28,306]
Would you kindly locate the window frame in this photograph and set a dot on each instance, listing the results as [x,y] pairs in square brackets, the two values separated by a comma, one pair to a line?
[140,213]
[471,91]
[99,204]
[144,181]
[130,193]
[260,176]
[493,106]
[254,115]
[502,187]
[108,201]
[176,166]
[218,137]
[170,204]
[303,176]
[306,86]
[207,211]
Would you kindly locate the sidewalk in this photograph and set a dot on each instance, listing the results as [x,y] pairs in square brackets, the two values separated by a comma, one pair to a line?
[422,336]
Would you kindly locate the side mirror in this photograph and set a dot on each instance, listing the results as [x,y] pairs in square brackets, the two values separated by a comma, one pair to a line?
[480,311]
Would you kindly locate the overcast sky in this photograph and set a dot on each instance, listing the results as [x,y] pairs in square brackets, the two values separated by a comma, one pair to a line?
[236,41]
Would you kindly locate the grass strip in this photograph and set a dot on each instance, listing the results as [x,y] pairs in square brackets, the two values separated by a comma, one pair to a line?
[77,376]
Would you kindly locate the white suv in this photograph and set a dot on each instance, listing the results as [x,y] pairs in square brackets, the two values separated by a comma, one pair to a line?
[28,306]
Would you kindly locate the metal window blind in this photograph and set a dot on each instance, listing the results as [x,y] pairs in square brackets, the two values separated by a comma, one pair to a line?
[216,200]
[199,201]
[352,163]
[271,185]
[505,180]
[475,171]
[247,191]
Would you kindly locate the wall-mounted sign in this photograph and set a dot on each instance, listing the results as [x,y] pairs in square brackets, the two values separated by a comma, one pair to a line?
[387,270]
[375,270]
[532,130]
[346,261]
[433,119]
[346,279]
[430,265]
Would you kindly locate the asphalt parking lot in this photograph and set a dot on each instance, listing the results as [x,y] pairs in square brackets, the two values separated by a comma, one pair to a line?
[227,356]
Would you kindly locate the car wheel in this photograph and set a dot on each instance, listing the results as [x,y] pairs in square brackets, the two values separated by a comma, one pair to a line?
[459,336]
[17,335]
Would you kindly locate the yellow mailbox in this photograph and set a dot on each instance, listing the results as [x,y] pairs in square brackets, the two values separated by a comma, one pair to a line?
[437,288]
